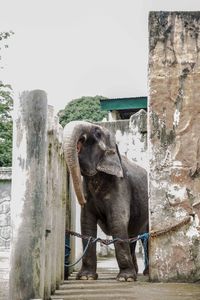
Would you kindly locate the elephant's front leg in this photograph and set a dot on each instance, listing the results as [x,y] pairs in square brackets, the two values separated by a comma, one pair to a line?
[89,261]
[123,254]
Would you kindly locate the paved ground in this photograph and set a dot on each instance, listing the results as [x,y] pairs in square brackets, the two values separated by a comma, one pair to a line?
[106,287]
[4,263]
[111,264]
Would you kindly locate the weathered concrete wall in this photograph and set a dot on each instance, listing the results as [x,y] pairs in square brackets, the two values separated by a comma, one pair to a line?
[174,144]
[28,197]
[39,195]
[131,137]
[5,229]
[5,197]
[57,206]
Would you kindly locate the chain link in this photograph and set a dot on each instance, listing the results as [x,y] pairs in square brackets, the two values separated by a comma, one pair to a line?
[133,239]
[109,241]
[143,237]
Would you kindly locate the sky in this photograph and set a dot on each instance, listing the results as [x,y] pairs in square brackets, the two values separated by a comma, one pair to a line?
[74,48]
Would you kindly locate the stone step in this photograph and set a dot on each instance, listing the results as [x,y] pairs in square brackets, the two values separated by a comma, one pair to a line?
[103,296]
[103,278]
[132,290]
[108,288]
[96,284]
[100,276]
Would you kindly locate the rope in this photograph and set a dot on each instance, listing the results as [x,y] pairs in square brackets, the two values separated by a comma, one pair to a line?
[144,238]
[86,247]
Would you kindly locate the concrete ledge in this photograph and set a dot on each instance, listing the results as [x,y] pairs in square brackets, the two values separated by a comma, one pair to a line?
[5,173]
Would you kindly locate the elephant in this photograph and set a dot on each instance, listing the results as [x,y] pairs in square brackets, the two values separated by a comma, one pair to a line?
[113,193]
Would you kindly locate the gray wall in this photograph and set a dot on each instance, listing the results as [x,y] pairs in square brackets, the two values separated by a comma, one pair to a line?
[174,145]
[131,137]
[39,202]
[5,198]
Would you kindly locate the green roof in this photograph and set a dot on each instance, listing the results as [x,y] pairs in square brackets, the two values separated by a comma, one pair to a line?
[123,103]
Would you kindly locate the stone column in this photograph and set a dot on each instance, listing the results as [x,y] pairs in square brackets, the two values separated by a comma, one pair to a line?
[28,197]
[59,233]
[55,206]
[54,245]
[174,145]
[49,207]
[64,212]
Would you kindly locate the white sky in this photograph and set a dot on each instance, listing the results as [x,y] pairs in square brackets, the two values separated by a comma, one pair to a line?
[74,48]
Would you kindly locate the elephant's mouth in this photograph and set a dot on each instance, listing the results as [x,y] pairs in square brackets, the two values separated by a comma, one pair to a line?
[88,173]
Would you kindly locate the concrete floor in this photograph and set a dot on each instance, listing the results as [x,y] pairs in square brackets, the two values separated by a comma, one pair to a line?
[111,264]
[106,287]
[4,265]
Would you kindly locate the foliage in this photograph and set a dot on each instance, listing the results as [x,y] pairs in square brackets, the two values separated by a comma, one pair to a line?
[84,108]
[3,42]
[6,105]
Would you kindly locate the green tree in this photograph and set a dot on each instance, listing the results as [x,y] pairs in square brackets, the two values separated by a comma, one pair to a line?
[6,106]
[84,108]
[4,36]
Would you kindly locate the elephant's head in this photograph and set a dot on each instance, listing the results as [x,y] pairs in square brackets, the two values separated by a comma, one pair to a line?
[89,148]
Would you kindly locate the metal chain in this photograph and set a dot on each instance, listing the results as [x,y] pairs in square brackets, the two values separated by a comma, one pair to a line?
[153,233]
[156,233]
[108,241]
[143,237]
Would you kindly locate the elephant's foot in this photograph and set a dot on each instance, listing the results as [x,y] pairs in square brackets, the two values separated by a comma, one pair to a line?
[127,275]
[86,275]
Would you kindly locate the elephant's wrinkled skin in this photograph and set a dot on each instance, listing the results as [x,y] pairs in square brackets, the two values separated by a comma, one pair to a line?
[114,194]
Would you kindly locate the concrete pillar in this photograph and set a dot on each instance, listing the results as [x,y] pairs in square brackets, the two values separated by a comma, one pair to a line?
[49,208]
[75,243]
[57,181]
[55,206]
[174,145]
[54,179]
[65,211]
[59,232]
[64,215]
[28,197]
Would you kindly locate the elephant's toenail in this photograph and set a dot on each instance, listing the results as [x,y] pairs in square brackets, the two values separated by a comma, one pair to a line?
[122,279]
[90,278]
[83,278]
[130,279]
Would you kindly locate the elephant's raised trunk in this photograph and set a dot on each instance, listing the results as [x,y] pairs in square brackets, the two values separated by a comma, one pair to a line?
[71,135]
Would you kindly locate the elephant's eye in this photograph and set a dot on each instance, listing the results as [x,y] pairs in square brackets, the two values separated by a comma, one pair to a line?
[83,139]
[98,134]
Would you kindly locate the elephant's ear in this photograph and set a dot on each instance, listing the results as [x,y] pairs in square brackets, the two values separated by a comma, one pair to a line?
[111,163]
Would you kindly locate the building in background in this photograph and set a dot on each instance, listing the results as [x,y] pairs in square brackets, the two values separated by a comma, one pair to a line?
[123,108]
